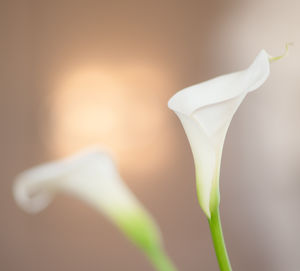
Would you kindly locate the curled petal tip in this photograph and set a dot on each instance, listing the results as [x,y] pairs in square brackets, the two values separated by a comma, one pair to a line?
[30,201]
[285,53]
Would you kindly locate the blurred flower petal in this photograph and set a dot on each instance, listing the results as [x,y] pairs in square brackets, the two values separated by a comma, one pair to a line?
[91,176]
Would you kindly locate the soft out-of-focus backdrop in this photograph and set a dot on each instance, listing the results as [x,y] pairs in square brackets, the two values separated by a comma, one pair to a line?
[75,73]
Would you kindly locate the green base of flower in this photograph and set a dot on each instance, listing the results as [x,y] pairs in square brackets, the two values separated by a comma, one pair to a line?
[160,261]
[218,240]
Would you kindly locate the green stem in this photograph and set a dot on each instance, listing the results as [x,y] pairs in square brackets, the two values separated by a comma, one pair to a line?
[161,261]
[218,240]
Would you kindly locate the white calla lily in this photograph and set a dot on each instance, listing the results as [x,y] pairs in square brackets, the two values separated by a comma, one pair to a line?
[92,176]
[205,111]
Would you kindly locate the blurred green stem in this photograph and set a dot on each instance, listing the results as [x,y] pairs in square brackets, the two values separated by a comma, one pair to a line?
[218,240]
[161,261]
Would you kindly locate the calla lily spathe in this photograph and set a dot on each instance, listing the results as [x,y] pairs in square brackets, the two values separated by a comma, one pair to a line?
[91,176]
[205,111]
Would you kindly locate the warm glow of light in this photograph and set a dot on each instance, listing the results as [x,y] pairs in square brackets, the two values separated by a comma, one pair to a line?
[123,109]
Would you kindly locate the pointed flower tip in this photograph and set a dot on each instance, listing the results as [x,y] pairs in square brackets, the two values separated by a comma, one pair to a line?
[285,53]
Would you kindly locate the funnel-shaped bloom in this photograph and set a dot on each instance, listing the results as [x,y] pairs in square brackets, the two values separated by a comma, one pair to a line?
[91,176]
[205,111]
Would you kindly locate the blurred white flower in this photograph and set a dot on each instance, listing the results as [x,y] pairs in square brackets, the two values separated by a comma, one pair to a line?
[91,176]
[205,111]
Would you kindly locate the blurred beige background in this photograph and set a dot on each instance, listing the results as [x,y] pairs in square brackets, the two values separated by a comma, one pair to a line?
[75,73]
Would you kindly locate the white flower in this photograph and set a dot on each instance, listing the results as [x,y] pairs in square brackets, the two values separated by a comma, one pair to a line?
[205,111]
[91,176]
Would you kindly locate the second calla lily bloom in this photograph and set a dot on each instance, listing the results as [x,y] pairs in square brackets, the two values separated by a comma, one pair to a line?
[205,111]
[92,176]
